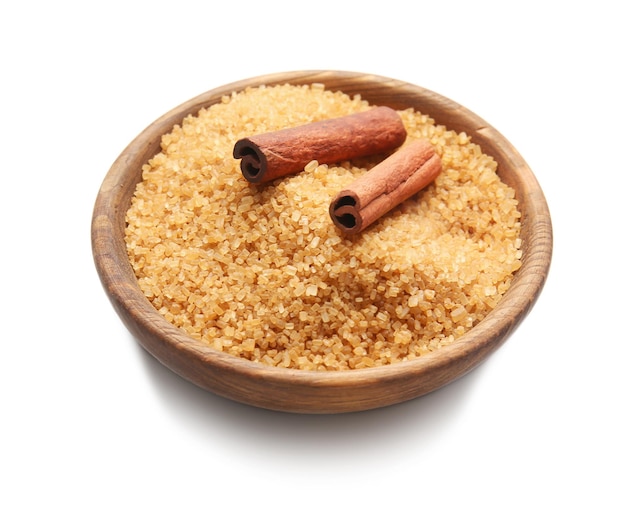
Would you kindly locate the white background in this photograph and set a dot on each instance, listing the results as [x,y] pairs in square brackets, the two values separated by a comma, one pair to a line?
[90,421]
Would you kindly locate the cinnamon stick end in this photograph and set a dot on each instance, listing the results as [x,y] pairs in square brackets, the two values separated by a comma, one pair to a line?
[345,214]
[253,162]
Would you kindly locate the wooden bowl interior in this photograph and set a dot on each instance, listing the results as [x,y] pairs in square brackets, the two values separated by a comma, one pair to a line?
[305,391]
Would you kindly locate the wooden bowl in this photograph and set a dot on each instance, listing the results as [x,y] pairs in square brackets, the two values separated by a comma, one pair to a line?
[294,390]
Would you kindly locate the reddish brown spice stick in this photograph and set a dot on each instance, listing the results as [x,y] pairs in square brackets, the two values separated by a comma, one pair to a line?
[386,185]
[271,155]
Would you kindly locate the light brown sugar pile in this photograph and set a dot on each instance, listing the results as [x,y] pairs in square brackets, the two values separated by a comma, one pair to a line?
[261,272]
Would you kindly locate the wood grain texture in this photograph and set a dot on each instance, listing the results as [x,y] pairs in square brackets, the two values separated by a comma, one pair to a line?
[320,392]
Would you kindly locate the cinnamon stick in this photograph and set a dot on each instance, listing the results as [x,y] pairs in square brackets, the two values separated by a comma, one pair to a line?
[386,185]
[271,155]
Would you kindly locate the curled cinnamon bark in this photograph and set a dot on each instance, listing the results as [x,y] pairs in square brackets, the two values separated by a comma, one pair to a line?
[271,155]
[386,185]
